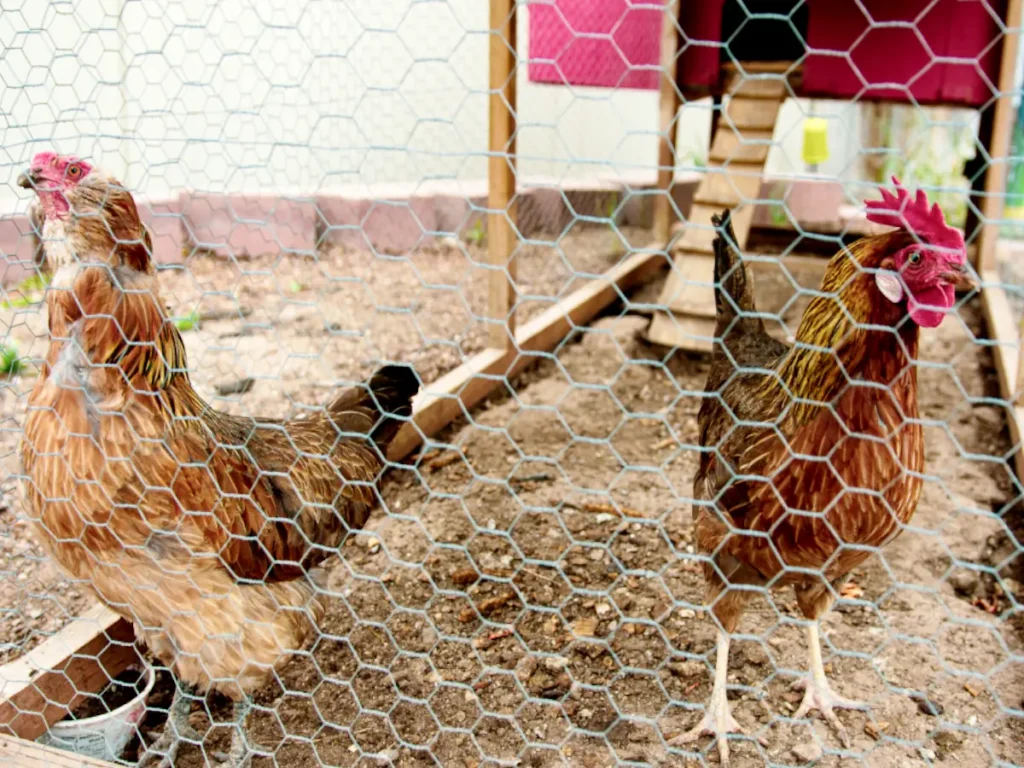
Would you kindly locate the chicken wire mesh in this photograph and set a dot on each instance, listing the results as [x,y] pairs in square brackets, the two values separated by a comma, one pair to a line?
[532,588]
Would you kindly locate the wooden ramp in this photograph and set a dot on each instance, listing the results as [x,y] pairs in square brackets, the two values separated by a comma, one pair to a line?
[739,149]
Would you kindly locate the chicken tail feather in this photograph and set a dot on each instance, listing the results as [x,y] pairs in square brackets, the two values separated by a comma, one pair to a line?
[386,398]
[734,292]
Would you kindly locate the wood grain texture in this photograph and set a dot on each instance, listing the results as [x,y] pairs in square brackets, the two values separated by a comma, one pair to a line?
[668,111]
[28,754]
[40,688]
[994,202]
[501,231]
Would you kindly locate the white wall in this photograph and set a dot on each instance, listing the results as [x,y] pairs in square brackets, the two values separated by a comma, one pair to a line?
[300,95]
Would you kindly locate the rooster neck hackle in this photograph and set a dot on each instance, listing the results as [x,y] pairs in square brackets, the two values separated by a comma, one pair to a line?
[840,326]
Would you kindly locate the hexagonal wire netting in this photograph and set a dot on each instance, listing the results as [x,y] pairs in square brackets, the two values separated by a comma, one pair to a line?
[531,588]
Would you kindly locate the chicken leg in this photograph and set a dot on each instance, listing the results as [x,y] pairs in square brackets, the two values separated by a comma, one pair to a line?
[718,720]
[818,691]
[239,743]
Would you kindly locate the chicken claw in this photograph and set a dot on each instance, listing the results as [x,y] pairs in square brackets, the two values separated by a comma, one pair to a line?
[718,722]
[822,698]
[818,693]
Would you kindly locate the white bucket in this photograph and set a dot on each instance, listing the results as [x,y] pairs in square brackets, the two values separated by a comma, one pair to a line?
[105,736]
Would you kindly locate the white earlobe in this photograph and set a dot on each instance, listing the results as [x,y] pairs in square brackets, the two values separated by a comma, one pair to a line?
[889,285]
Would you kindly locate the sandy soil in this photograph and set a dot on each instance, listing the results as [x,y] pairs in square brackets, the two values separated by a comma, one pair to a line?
[531,595]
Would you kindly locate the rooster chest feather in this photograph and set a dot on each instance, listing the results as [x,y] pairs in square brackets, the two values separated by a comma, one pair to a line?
[59,253]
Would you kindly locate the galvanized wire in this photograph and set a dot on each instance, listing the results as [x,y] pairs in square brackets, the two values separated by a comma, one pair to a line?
[531,592]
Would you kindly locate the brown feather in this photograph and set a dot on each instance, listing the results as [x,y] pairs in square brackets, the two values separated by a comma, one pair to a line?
[817,458]
[201,527]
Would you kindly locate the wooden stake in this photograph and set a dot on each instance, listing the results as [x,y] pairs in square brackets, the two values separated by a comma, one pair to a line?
[1019,402]
[668,111]
[994,202]
[501,232]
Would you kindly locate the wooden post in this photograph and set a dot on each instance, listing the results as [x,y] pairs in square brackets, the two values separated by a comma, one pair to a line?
[668,111]
[999,148]
[501,233]
[1019,401]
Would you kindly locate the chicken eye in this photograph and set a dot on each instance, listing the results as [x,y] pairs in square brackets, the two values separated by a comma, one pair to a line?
[74,171]
[914,258]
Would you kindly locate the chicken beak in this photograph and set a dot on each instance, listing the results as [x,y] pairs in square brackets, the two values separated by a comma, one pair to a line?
[960,279]
[28,180]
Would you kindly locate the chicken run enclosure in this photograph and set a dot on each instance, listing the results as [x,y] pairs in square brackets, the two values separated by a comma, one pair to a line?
[522,202]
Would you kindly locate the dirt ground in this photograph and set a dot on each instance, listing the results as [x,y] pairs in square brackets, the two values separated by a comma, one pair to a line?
[531,595]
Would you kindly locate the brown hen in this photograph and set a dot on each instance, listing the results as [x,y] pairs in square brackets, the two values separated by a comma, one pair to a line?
[205,529]
[814,452]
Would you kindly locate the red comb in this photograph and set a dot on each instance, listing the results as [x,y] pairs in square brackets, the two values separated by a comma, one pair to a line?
[926,223]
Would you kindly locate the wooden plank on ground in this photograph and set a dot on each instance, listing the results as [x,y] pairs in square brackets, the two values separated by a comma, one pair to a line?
[501,173]
[1006,354]
[451,396]
[39,688]
[28,754]
[994,202]
[668,111]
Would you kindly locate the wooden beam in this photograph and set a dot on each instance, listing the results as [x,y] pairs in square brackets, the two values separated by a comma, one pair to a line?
[451,396]
[1019,398]
[1006,354]
[994,202]
[28,754]
[668,111]
[502,235]
[40,688]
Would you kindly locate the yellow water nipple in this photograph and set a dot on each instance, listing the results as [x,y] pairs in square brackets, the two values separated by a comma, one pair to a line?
[815,140]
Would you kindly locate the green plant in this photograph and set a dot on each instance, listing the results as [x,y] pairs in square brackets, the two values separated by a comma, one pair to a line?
[188,322]
[27,293]
[778,212]
[10,360]
[611,206]
[476,235]
[932,155]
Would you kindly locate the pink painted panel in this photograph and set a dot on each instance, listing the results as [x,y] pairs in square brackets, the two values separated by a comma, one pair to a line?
[893,48]
[896,51]
[609,43]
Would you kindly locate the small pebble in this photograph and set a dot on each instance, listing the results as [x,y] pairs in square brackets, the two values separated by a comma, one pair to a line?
[926,754]
[964,581]
[928,707]
[807,753]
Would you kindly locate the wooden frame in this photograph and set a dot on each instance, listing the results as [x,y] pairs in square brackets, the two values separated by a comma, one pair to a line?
[1009,344]
[668,121]
[1008,337]
[999,147]
[502,236]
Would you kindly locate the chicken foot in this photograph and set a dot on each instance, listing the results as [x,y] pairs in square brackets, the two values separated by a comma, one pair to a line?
[718,720]
[176,729]
[239,751]
[818,691]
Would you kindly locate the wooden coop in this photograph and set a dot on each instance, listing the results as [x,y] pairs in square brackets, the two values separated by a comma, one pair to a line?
[41,687]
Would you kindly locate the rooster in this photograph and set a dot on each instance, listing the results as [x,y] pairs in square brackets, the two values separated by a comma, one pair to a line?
[814,452]
[204,529]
